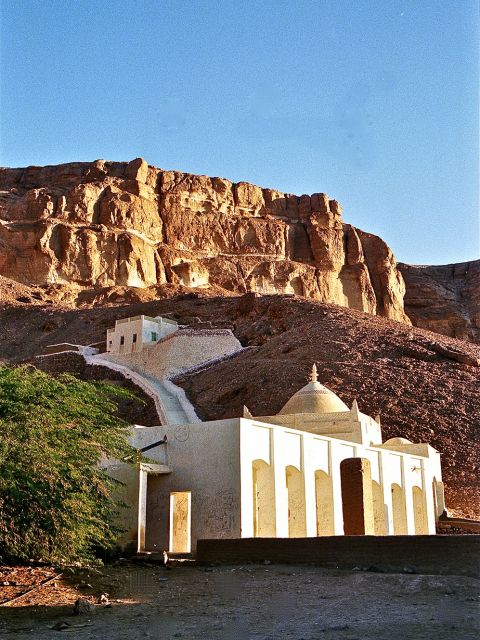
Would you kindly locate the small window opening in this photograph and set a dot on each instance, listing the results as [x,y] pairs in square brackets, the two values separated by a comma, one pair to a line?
[154,336]
[122,339]
[134,338]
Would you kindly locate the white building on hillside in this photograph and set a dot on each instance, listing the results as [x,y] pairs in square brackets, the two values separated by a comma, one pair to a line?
[317,468]
[132,334]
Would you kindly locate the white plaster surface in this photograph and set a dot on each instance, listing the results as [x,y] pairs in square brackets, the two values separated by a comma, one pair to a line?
[214,461]
[169,408]
[233,468]
[152,365]
[132,334]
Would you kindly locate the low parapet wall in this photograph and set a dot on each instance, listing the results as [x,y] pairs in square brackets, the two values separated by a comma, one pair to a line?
[454,555]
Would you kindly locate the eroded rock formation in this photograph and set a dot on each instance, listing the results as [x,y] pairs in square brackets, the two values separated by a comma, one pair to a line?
[444,299]
[107,224]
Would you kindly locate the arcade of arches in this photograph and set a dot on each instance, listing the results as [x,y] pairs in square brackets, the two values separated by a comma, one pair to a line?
[324,470]
[317,468]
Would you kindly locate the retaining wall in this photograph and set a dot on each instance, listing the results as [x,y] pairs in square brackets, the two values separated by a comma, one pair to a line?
[177,353]
[455,555]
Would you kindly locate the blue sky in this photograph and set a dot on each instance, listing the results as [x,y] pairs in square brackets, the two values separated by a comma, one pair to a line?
[373,101]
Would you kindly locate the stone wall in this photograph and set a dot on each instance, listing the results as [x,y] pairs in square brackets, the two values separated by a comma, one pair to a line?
[457,555]
[178,352]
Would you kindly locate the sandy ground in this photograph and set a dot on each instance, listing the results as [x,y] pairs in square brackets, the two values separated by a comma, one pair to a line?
[253,602]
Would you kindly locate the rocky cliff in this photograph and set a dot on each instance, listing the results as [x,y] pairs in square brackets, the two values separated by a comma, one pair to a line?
[105,224]
[444,299]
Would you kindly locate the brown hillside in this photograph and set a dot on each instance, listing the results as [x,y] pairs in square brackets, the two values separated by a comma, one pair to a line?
[425,386]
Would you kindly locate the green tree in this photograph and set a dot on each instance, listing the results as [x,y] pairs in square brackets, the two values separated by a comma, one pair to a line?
[57,503]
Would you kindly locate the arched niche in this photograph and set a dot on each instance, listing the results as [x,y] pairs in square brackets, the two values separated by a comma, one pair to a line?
[379,510]
[324,504]
[420,511]
[438,489]
[399,511]
[297,516]
[263,500]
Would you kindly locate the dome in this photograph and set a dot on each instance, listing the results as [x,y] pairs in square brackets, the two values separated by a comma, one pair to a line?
[313,398]
[398,441]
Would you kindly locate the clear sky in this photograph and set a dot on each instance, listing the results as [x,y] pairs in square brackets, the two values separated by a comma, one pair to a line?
[373,101]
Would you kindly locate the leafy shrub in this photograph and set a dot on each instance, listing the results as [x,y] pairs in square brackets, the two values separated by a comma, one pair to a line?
[56,502]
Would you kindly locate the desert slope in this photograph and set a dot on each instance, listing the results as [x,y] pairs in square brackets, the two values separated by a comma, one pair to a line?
[425,386]
[414,379]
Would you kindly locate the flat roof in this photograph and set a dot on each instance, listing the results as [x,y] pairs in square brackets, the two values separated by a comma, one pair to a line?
[157,319]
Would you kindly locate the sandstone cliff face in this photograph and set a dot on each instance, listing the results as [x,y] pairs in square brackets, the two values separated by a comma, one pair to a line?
[107,224]
[445,298]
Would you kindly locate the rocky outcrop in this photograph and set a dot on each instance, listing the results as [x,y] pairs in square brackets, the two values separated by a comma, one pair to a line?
[106,224]
[444,299]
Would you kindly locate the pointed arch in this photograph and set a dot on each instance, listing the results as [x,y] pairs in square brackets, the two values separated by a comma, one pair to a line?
[297,515]
[324,504]
[420,511]
[399,511]
[379,510]
[263,500]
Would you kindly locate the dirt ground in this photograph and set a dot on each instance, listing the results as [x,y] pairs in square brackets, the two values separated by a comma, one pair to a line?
[251,602]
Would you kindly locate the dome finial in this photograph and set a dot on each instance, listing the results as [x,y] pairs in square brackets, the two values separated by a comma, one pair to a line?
[313,398]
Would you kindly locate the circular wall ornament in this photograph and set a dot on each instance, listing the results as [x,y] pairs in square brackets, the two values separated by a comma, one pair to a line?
[181,432]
